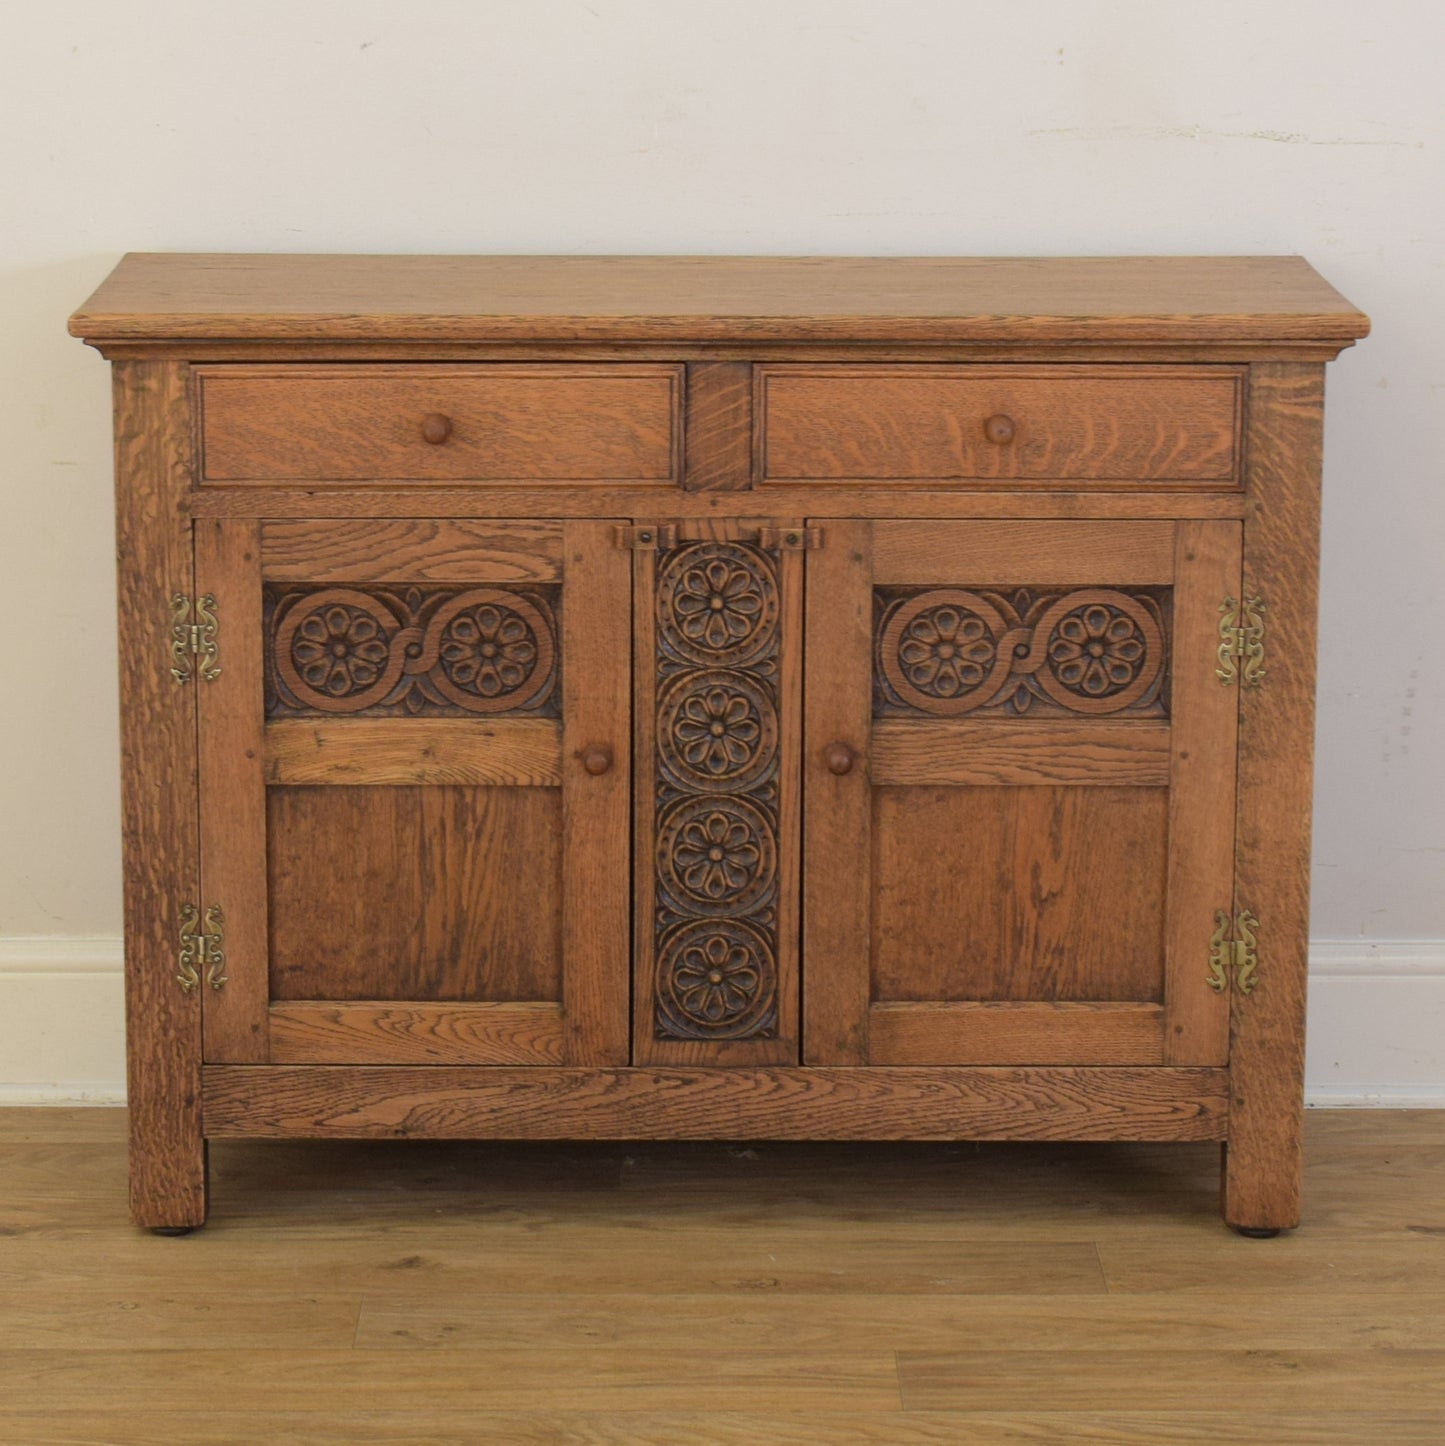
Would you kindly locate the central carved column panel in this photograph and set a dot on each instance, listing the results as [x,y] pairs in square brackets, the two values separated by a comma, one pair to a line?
[717,818]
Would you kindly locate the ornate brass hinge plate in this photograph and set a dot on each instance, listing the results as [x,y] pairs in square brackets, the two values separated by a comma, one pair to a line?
[1241,642]
[1233,956]
[193,635]
[202,949]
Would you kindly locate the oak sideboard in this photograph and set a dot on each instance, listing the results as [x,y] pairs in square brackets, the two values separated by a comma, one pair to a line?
[680,697]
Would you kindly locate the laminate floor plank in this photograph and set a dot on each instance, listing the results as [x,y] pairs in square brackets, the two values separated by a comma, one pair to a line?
[690,1376]
[418,1321]
[440,1427]
[626,1294]
[454,1259]
[1172,1380]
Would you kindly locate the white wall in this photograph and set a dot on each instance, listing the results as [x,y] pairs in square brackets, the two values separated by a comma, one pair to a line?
[872,126]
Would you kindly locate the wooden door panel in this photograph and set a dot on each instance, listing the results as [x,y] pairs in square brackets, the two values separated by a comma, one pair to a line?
[415,893]
[1019,861]
[1034,893]
[399,768]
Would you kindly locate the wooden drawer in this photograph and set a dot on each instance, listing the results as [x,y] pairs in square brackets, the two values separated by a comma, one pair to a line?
[1098,425]
[493,424]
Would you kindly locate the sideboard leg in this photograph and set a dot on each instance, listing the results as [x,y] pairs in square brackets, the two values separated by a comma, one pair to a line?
[169,1184]
[160,846]
[1264,1160]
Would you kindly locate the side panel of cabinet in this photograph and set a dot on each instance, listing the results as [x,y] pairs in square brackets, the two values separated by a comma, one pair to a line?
[717,669]
[1019,767]
[414,776]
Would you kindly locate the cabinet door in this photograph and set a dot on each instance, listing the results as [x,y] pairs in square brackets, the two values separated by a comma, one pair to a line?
[414,791]
[1019,792]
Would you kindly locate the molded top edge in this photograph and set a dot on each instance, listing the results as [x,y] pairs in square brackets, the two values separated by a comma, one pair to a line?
[176,297]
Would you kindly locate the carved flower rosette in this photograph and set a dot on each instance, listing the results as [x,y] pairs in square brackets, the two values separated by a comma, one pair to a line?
[345,650]
[951,651]
[717,745]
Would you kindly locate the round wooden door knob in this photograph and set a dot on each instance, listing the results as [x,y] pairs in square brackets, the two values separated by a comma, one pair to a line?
[597,760]
[839,758]
[436,427]
[999,429]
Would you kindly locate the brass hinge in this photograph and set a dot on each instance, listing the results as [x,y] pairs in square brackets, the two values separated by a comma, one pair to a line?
[193,635]
[202,949]
[1241,642]
[1235,955]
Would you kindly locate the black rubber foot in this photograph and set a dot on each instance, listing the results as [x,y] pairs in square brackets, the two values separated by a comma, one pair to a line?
[1251,1232]
[172,1230]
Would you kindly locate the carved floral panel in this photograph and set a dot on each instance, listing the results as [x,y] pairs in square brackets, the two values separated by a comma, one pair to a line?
[411,651]
[716,790]
[1090,651]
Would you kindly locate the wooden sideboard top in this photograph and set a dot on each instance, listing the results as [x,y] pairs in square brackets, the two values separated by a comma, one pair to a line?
[171,298]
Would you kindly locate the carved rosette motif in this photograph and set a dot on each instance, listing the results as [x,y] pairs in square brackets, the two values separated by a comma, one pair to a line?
[411,651]
[716,851]
[1094,651]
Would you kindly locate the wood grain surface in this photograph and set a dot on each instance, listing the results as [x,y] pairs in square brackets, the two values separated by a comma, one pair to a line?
[1017,752]
[1201,793]
[838,661]
[538,423]
[233,792]
[718,447]
[919,424]
[988,552]
[415,893]
[370,752]
[431,549]
[1036,892]
[815,499]
[173,297]
[366,1032]
[1065,1032]
[597,648]
[158,792]
[1264,1164]
[681,1102]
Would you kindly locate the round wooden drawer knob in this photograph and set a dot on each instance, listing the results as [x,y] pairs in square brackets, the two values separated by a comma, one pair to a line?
[839,758]
[597,760]
[436,427]
[999,429]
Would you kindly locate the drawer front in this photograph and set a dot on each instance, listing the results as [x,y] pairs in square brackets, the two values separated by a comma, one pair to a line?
[491,424]
[940,424]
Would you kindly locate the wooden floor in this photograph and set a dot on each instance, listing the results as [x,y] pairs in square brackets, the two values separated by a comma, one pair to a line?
[689,1294]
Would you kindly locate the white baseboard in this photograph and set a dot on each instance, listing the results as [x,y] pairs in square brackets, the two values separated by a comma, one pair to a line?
[1376,1023]
[62,1021]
